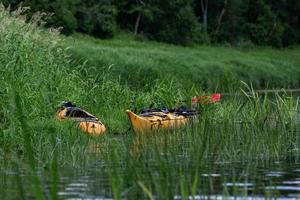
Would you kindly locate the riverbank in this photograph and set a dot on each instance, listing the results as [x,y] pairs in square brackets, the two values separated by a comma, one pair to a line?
[140,63]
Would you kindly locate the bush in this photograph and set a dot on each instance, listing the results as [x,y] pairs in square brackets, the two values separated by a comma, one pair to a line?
[63,17]
[290,36]
[62,12]
[174,22]
[262,27]
[97,18]
[245,44]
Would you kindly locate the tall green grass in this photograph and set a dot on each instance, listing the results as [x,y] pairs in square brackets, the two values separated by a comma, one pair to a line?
[140,63]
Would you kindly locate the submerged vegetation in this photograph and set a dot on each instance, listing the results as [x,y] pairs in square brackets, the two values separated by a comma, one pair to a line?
[37,73]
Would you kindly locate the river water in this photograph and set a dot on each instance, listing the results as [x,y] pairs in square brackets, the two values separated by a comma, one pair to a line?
[280,180]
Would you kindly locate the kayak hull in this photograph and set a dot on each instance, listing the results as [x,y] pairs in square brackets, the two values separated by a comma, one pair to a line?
[155,121]
[86,121]
[94,129]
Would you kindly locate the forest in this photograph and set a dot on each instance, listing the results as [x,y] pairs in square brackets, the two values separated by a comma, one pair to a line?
[182,22]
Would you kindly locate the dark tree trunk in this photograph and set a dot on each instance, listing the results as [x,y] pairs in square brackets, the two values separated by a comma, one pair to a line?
[220,19]
[271,31]
[204,7]
[137,23]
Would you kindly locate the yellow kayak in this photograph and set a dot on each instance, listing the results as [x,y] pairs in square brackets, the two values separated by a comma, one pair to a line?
[87,122]
[153,121]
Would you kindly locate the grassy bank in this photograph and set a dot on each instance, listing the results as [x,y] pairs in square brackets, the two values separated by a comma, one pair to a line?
[37,74]
[140,63]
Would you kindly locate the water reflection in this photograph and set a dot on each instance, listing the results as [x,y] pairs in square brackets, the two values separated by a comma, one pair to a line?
[94,147]
[220,197]
[237,184]
[278,180]
[239,181]
[266,183]
[211,175]
[84,187]
[275,174]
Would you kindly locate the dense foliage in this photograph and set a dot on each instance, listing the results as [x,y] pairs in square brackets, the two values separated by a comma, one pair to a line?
[239,22]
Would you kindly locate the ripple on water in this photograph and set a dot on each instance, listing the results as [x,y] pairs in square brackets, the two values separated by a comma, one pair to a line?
[220,197]
[211,175]
[284,188]
[90,198]
[275,174]
[295,182]
[78,185]
[74,190]
[70,193]
[297,170]
[237,184]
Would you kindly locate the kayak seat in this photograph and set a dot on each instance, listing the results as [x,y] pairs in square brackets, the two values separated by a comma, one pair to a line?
[77,112]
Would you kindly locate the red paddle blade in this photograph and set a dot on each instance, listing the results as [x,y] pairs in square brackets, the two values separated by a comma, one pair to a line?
[207,99]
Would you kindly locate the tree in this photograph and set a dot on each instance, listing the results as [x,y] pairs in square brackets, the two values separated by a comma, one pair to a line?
[288,13]
[141,9]
[221,16]
[62,13]
[263,22]
[263,26]
[204,9]
[175,22]
[97,17]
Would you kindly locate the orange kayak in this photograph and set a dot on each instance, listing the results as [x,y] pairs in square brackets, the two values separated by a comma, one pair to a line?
[87,122]
[158,119]
[154,121]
